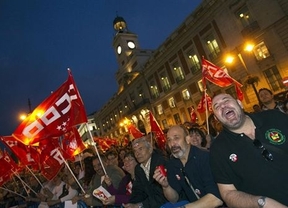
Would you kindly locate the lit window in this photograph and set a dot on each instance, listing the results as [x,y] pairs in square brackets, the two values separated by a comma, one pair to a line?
[160,109]
[154,90]
[186,94]
[212,46]
[193,61]
[244,16]
[179,75]
[273,78]
[200,85]
[177,118]
[261,51]
[172,102]
[165,82]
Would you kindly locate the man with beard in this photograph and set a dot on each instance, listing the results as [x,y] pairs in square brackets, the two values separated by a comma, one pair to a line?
[249,157]
[188,173]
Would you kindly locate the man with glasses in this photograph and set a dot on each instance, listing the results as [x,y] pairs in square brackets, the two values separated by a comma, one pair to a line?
[249,157]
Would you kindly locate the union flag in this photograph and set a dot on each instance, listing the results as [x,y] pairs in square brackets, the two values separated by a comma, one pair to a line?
[56,115]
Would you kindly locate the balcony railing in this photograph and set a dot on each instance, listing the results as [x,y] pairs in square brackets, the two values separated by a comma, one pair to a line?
[180,78]
[166,88]
[250,29]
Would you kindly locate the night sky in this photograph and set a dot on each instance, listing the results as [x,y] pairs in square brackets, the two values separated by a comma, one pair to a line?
[40,39]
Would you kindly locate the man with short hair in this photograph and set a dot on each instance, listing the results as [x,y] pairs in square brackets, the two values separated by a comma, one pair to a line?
[146,192]
[188,173]
[249,157]
[268,102]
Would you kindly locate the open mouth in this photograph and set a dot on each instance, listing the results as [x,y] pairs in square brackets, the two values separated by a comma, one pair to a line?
[228,114]
[175,149]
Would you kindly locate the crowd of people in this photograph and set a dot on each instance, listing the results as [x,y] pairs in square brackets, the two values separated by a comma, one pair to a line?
[237,160]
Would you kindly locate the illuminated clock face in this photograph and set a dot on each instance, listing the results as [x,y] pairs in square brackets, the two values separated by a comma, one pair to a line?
[119,49]
[131,44]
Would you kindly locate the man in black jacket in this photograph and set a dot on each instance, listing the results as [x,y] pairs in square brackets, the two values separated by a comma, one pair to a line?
[146,192]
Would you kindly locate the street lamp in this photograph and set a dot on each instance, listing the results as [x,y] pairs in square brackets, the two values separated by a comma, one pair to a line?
[250,80]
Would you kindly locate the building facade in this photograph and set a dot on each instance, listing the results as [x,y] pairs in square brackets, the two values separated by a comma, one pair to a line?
[167,81]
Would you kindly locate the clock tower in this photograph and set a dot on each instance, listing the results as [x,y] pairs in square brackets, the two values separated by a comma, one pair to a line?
[126,48]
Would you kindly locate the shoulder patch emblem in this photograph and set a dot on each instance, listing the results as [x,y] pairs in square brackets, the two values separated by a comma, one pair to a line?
[275,136]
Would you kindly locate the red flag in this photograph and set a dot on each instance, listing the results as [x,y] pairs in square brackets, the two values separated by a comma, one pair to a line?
[101,143]
[33,158]
[239,91]
[216,75]
[50,159]
[72,143]
[160,136]
[193,114]
[134,131]
[62,110]
[7,165]
[124,141]
[4,178]
[202,104]
[18,148]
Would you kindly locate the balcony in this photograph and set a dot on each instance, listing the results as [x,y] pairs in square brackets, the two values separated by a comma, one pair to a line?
[166,88]
[250,29]
[179,79]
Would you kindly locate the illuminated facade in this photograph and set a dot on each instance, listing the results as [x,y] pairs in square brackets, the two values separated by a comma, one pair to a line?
[167,81]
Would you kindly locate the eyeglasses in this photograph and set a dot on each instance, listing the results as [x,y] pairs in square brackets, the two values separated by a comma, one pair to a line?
[265,153]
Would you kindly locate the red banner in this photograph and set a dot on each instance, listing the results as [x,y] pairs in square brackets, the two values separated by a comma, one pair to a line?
[51,158]
[205,101]
[193,115]
[219,77]
[7,167]
[134,131]
[72,143]
[56,115]
[18,148]
[160,136]
[216,75]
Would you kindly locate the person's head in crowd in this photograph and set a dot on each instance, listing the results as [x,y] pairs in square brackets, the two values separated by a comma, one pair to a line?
[176,141]
[130,162]
[215,127]
[266,96]
[88,170]
[188,124]
[196,137]
[122,153]
[97,164]
[112,157]
[232,107]
[142,149]
[268,102]
[77,168]
[87,153]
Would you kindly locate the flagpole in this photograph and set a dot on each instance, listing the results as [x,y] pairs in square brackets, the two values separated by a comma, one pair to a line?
[206,111]
[23,182]
[34,176]
[91,137]
[67,165]
[12,192]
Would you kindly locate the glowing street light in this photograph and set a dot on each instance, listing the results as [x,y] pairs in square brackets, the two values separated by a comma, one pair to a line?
[251,80]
